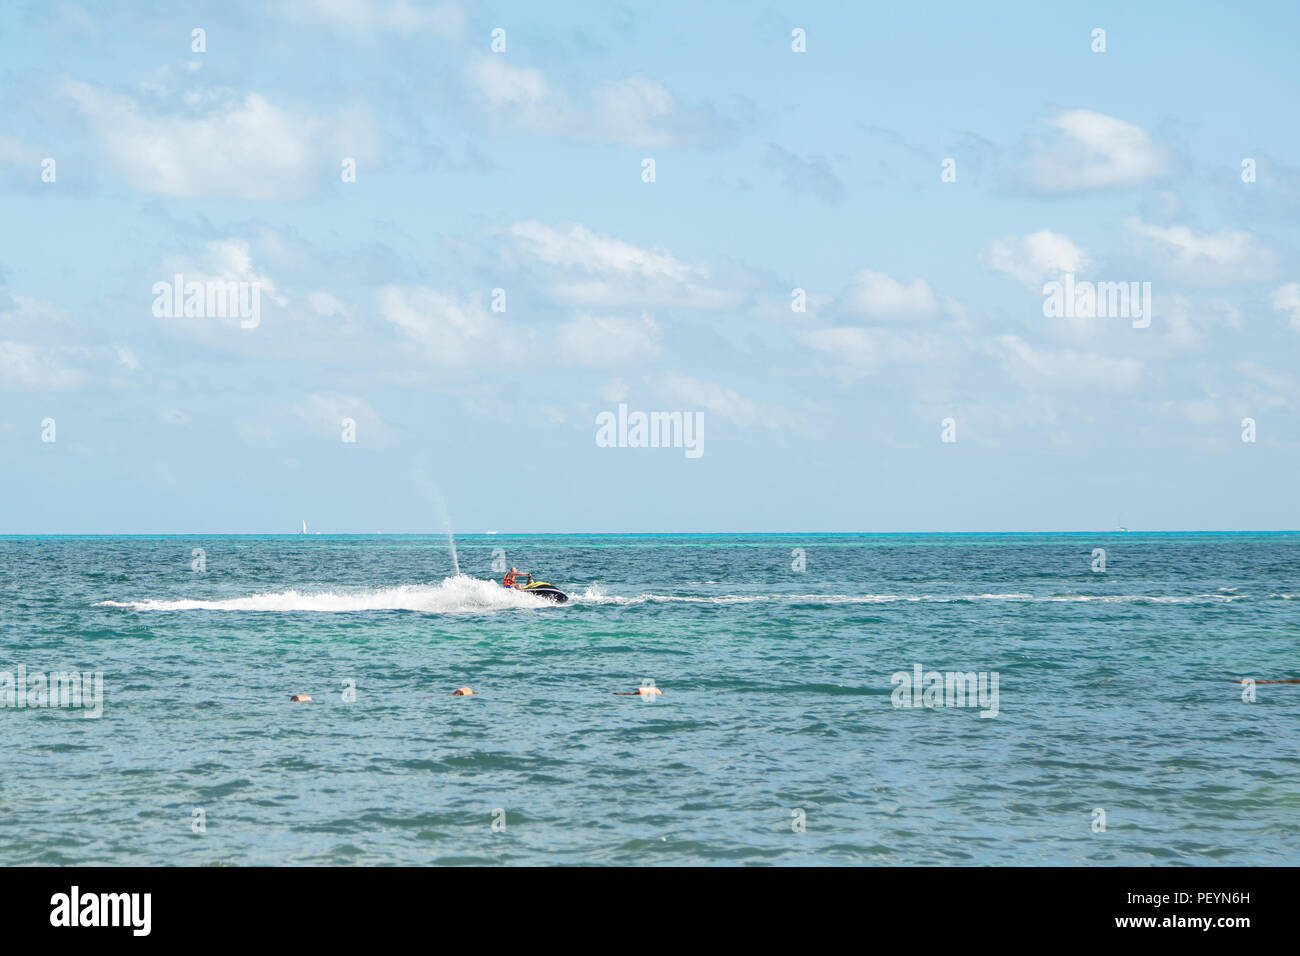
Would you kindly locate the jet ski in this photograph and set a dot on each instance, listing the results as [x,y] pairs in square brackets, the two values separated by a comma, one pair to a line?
[548,591]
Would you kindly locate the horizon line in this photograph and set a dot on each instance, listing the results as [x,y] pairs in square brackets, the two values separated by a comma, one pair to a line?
[593,534]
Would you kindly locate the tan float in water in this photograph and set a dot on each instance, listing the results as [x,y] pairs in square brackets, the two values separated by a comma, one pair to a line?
[300,698]
[462,692]
[639,692]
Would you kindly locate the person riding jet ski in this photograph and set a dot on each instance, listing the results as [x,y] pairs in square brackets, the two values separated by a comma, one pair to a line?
[535,588]
[509,580]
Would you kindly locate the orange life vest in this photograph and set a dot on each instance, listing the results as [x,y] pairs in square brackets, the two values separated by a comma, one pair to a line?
[509,580]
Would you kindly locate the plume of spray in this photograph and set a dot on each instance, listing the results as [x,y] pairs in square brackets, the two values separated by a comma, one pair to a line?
[434,493]
[451,541]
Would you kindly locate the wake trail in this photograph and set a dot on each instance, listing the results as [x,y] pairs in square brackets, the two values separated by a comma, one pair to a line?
[464,594]
[459,594]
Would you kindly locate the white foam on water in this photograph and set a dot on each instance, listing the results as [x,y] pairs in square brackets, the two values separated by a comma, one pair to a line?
[460,594]
[464,594]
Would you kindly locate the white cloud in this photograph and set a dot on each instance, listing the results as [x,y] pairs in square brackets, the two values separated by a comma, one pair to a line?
[1258,389]
[632,111]
[1197,411]
[637,111]
[1033,259]
[877,295]
[1066,368]
[37,335]
[1094,151]
[1224,257]
[614,390]
[579,247]
[452,332]
[805,175]
[608,342]
[870,348]
[368,17]
[519,96]
[618,273]
[222,261]
[328,306]
[26,366]
[1188,322]
[126,357]
[220,144]
[614,292]
[692,394]
[15,153]
[777,308]
[1287,299]
[231,260]
[1270,378]
[503,84]
[325,411]
[31,317]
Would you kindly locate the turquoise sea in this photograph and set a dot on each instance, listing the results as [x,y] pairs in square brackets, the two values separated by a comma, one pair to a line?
[776,740]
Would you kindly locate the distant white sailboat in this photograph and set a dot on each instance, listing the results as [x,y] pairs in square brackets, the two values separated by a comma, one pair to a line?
[1119,526]
[304,525]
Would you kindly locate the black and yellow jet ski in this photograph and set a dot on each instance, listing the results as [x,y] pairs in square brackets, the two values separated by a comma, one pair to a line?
[542,589]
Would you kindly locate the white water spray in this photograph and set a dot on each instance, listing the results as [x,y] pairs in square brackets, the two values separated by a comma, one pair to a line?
[458,595]
[422,478]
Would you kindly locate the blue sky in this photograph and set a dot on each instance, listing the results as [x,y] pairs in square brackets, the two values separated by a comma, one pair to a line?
[522,170]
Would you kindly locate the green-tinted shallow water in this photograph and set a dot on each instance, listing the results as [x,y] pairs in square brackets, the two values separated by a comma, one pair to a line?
[1115,692]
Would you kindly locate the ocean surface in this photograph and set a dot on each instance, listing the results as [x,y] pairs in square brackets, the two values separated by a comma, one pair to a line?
[776,739]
